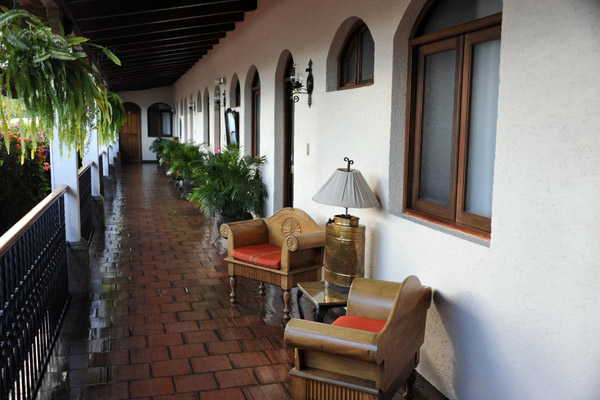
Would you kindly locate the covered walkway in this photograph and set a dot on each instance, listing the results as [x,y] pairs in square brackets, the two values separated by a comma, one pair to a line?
[159,321]
[159,324]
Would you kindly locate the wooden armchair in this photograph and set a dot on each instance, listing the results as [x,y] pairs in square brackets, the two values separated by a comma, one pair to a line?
[283,250]
[367,354]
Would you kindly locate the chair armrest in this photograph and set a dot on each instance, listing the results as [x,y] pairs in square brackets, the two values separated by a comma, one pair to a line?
[306,241]
[244,233]
[345,342]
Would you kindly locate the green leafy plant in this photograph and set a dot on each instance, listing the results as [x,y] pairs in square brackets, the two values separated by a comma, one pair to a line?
[185,158]
[54,86]
[229,183]
[25,181]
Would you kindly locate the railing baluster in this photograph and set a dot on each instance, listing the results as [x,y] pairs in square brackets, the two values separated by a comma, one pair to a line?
[33,295]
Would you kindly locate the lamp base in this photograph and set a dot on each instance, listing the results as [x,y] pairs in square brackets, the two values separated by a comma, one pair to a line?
[344,252]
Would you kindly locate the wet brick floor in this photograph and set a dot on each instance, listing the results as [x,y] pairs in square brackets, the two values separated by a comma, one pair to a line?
[158,324]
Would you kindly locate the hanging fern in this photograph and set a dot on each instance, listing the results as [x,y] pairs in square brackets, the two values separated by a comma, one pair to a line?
[47,79]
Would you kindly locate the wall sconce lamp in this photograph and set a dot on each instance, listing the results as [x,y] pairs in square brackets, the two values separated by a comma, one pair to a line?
[297,79]
[344,237]
[218,101]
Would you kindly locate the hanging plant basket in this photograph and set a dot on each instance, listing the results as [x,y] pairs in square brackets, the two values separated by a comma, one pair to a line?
[45,77]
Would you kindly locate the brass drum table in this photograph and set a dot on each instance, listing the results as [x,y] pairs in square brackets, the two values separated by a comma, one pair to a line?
[323,298]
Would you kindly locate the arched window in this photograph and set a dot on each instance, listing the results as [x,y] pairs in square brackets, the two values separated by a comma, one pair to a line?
[255,95]
[234,91]
[453,107]
[160,123]
[357,58]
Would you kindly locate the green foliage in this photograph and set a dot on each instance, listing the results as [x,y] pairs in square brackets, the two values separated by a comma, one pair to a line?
[50,79]
[24,180]
[185,158]
[229,183]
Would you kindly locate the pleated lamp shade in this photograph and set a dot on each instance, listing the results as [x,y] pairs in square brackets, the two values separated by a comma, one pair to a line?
[346,189]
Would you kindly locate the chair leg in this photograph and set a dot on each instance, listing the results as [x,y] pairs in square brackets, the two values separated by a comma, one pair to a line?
[233,294]
[409,394]
[287,297]
[261,289]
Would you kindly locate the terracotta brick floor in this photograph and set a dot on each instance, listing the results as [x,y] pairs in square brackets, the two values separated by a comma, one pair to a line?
[158,323]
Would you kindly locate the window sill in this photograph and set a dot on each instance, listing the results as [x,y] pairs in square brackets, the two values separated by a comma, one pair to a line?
[356,86]
[461,232]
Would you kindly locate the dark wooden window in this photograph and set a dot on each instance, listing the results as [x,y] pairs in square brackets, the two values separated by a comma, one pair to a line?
[255,146]
[357,59]
[451,135]
[236,100]
[160,122]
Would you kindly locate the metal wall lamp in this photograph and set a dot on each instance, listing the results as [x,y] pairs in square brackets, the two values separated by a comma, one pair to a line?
[297,79]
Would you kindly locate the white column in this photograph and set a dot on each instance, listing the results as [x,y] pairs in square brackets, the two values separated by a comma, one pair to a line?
[105,166]
[111,154]
[91,154]
[64,172]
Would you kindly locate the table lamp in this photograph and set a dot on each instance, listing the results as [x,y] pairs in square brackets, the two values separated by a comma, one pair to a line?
[344,237]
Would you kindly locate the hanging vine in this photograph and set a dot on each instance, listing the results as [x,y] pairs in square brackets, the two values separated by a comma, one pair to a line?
[45,77]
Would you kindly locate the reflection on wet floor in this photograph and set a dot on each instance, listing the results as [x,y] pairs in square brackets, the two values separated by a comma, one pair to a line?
[158,320]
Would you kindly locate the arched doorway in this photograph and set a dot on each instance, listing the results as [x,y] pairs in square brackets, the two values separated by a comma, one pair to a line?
[130,138]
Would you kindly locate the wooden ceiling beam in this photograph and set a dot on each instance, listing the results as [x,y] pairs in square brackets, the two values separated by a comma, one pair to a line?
[163,53]
[108,31]
[198,44]
[207,32]
[90,8]
[150,67]
[141,63]
[143,66]
[173,15]
[151,57]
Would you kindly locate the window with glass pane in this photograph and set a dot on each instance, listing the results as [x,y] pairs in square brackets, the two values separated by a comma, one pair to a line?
[160,122]
[356,61]
[453,111]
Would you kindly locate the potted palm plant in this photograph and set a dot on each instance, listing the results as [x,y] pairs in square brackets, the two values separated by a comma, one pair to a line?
[228,184]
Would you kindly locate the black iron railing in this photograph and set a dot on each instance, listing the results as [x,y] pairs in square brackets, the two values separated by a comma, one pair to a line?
[101,174]
[34,295]
[85,201]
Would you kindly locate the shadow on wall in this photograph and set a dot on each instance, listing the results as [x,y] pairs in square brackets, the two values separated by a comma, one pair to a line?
[477,363]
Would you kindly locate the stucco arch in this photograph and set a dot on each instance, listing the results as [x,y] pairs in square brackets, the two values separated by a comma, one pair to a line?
[400,59]
[331,77]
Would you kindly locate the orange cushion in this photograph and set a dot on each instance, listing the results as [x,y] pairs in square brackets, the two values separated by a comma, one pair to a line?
[362,323]
[265,255]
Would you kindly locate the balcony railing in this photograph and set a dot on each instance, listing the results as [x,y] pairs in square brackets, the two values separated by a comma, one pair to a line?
[34,295]
[85,201]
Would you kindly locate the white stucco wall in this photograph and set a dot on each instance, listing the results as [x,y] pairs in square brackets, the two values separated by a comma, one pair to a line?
[516,317]
[144,99]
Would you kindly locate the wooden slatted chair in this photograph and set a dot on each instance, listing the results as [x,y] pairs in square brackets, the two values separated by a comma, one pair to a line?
[283,250]
[368,354]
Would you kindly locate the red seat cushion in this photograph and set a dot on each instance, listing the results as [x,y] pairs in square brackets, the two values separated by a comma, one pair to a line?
[362,323]
[265,255]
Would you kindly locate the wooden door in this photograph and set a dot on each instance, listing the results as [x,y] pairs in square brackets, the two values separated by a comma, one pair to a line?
[130,137]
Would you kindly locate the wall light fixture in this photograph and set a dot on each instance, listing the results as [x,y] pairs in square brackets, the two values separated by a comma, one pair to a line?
[297,80]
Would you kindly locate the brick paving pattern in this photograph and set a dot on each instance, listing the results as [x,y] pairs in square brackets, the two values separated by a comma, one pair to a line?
[159,324]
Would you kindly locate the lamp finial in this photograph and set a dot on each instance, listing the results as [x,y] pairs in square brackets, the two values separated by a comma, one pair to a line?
[350,162]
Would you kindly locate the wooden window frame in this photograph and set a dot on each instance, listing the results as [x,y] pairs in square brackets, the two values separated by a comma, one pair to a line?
[352,42]
[255,93]
[160,134]
[461,38]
